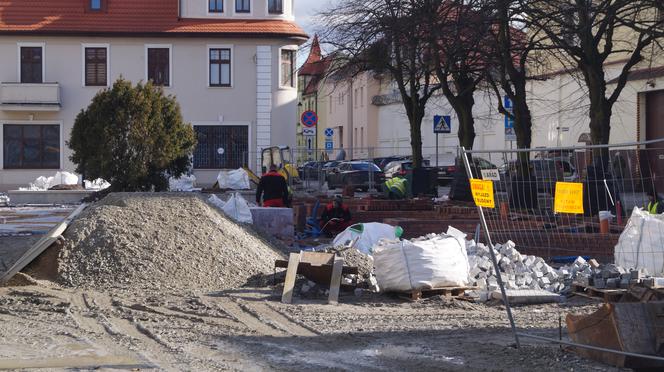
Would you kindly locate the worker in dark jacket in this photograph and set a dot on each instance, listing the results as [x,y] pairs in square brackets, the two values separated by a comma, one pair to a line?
[336,217]
[273,189]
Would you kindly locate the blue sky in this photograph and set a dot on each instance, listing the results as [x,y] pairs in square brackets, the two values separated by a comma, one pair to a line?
[305,10]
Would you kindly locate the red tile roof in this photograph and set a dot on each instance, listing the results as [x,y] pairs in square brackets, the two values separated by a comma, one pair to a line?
[128,17]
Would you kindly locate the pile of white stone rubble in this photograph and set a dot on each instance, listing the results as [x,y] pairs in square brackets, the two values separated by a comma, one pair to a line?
[516,270]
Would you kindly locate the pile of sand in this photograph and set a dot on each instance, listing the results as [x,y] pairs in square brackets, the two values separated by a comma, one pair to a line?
[143,240]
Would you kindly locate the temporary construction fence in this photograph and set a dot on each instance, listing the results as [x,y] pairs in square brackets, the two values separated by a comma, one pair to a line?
[322,170]
[564,202]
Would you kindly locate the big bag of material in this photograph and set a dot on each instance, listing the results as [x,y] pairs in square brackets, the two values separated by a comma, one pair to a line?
[234,180]
[414,265]
[367,235]
[237,208]
[641,245]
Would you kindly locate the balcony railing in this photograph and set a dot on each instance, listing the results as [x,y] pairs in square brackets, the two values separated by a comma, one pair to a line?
[30,97]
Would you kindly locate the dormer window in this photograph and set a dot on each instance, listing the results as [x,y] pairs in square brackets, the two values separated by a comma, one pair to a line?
[275,6]
[97,5]
[242,6]
[216,6]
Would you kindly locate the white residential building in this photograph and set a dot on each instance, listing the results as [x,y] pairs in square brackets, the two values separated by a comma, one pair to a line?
[230,63]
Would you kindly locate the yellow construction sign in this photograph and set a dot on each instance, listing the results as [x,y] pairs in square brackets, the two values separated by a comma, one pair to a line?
[483,193]
[568,198]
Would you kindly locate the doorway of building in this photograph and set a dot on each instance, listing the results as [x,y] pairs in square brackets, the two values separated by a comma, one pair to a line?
[655,130]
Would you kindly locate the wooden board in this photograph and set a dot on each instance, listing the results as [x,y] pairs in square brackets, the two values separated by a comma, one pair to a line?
[291,274]
[335,282]
[607,295]
[443,291]
[41,245]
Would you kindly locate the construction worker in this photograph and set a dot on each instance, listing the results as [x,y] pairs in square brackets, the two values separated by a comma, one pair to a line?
[655,204]
[396,188]
[273,188]
[336,217]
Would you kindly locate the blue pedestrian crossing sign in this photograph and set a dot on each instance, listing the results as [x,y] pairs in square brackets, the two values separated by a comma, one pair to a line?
[442,124]
[329,132]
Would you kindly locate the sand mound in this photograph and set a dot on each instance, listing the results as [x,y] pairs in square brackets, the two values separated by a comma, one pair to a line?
[160,241]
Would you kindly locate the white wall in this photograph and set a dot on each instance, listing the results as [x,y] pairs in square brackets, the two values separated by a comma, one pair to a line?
[259,10]
[200,104]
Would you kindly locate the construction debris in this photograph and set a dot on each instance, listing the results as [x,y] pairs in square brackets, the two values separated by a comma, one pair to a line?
[161,241]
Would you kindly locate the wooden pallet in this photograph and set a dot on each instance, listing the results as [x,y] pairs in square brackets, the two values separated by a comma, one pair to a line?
[606,295]
[443,291]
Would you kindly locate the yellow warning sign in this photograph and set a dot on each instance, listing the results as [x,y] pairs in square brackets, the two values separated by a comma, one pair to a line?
[482,193]
[569,198]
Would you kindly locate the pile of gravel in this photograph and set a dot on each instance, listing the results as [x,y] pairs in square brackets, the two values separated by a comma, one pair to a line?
[166,241]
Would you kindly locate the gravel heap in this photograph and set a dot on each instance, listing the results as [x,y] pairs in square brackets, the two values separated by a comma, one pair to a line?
[161,241]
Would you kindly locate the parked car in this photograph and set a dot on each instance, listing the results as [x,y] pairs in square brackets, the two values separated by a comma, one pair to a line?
[479,164]
[357,174]
[401,168]
[384,161]
[311,170]
[546,172]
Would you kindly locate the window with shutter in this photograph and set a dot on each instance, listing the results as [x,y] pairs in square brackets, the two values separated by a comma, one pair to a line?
[159,66]
[31,65]
[96,67]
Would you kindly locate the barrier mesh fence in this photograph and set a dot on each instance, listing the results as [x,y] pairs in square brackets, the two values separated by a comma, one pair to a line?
[560,203]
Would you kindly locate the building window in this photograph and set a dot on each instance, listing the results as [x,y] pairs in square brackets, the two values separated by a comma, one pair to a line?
[220,67]
[361,96]
[233,139]
[242,6]
[288,68]
[275,6]
[32,65]
[159,66]
[97,5]
[216,6]
[96,67]
[31,146]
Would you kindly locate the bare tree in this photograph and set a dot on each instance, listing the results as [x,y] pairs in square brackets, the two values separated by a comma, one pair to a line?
[458,36]
[385,36]
[593,33]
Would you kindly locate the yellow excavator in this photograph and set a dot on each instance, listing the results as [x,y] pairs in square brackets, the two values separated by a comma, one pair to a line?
[279,156]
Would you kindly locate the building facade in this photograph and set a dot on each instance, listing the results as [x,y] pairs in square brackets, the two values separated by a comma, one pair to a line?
[230,63]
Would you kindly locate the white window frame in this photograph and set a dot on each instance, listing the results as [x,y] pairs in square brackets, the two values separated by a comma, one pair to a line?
[243,14]
[41,45]
[4,122]
[225,124]
[108,64]
[207,64]
[283,9]
[170,61]
[213,14]
[294,67]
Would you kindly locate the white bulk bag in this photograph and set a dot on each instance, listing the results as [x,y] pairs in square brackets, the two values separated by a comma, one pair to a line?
[641,245]
[406,265]
[235,180]
[368,233]
[237,208]
[183,183]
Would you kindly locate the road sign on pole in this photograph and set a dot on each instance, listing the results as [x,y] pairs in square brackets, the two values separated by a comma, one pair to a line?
[309,119]
[510,134]
[442,124]
[329,132]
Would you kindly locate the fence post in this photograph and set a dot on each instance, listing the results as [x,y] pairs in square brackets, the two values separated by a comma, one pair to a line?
[492,254]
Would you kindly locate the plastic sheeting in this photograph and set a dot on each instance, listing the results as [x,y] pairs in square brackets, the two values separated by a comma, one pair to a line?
[368,234]
[184,183]
[438,261]
[43,183]
[641,245]
[235,180]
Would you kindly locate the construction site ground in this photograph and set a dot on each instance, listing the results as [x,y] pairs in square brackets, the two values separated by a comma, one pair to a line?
[47,326]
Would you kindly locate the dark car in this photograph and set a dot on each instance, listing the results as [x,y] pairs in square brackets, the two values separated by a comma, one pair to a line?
[360,174]
[311,170]
[545,171]
[401,168]
[382,162]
